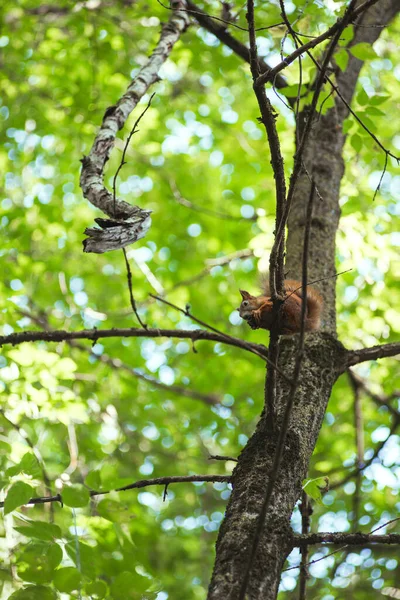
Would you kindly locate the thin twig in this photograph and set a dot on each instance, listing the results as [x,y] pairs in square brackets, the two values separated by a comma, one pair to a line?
[196,12]
[210,264]
[117,364]
[140,484]
[220,457]
[187,313]
[358,119]
[206,211]
[223,35]
[329,33]
[379,399]
[367,463]
[298,159]
[382,176]
[317,281]
[131,297]
[128,139]
[268,117]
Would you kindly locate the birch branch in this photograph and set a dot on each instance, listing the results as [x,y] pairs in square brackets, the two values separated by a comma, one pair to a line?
[127,223]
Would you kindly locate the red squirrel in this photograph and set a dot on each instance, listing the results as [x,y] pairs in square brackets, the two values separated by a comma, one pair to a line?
[257,310]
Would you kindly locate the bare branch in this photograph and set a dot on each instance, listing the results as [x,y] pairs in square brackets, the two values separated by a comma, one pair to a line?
[336,89]
[127,223]
[298,159]
[206,211]
[116,363]
[349,16]
[131,297]
[219,457]
[380,399]
[128,139]
[210,264]
[354,539]
[268,116]
[187,313]
[312,562]
[355,357]
[141,484]
[364,465]
[226,38]
[97,334]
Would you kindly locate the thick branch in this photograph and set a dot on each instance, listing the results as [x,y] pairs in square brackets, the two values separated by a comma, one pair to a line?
[128,223]
[97,334]
[354,539]
[354,357]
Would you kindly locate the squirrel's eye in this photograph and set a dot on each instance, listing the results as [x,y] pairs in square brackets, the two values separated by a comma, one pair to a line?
[245,302]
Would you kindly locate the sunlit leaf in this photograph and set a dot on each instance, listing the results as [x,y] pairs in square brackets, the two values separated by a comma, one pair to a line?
[18,494]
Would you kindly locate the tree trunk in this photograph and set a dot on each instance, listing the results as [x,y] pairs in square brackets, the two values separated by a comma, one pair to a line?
[322,358]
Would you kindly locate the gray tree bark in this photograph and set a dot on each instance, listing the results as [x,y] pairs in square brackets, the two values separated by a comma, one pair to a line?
[323,357]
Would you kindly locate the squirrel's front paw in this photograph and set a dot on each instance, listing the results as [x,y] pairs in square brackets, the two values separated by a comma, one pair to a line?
[252,322]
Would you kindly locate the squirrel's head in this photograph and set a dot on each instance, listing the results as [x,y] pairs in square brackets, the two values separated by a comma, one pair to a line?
[248,304]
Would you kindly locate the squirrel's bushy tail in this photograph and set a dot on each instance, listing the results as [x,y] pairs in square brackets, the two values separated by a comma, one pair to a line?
[314,303]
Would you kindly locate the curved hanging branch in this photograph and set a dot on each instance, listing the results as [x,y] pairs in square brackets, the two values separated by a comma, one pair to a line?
[127,223]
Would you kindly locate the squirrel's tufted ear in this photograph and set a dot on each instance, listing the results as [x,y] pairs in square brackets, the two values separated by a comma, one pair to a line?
[245,295]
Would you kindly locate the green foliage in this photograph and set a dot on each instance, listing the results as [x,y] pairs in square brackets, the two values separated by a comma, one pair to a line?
[18,494]
[75,495]
[96,424]
[315,487]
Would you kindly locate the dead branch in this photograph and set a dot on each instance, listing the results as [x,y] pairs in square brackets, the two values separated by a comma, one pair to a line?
[127,223]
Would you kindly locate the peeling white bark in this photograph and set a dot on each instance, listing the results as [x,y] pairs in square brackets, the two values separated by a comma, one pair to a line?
[127,223]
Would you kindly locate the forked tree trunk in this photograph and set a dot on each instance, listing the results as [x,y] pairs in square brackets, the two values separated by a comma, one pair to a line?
[323,356]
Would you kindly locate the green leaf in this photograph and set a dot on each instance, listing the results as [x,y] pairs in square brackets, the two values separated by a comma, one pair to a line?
[40,530]
[28,465]
[96,589]
[38,561]
[377,100]
[75,496]
[347,125]
[374,112]
[34,592]
[5,448]
[356,142]
[346,35]
[372,126]
[314,487]
[363,51]
[87,559]
[129,585]
[362,97]
[93,480]
[292,91]
[342,59]
[18,494]
[67,579]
